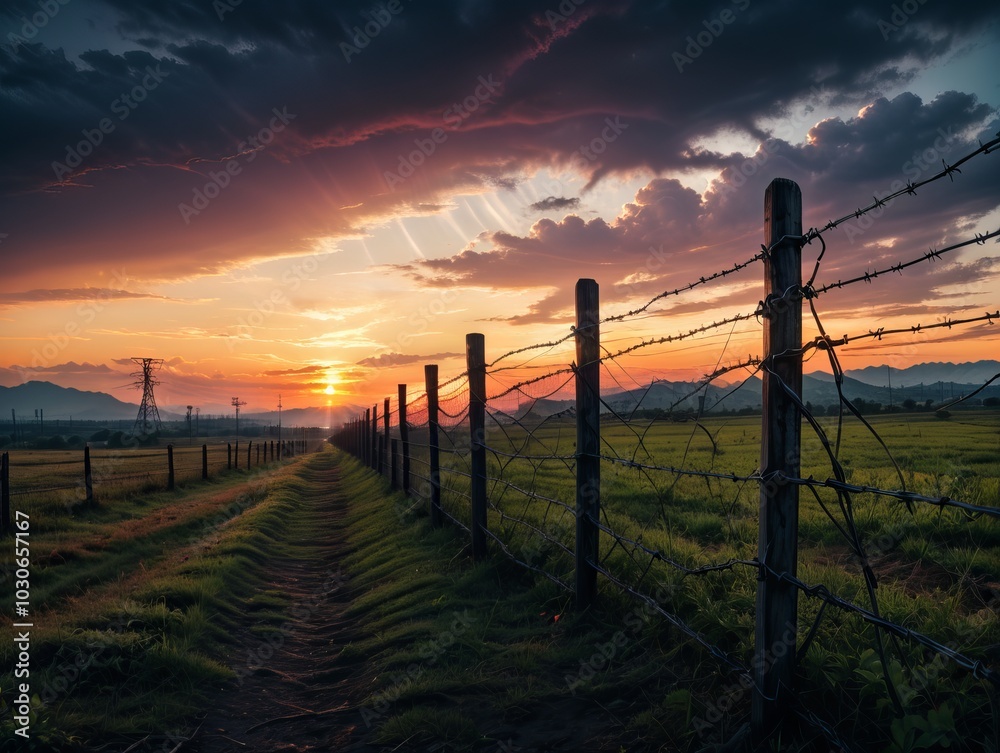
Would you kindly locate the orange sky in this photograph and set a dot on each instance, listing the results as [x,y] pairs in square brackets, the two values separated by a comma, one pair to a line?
[358,217]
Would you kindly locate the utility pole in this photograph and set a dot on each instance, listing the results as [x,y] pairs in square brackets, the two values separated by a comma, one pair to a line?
[237,404]
[279,418]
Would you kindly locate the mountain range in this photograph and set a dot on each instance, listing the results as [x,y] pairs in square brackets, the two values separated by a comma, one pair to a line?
[69,403]
[928,381]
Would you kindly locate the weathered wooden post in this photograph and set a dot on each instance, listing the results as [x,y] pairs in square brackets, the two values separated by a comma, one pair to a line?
[204,462]
[170,467]
[229,456]
[393,464]
[475,357]
[431,386]
[5,523]
[374,463]
[404,439]
[588,440]
[777,547]
[384,447]
[249,448]
[88,475]
[366,442]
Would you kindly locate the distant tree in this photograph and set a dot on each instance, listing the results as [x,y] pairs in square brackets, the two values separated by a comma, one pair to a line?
[992,402]
[56,442]
[833,409]
[100,436]
[928,403]
[944,415]
[910,404]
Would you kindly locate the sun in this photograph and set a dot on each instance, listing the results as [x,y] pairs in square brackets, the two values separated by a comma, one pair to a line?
[330,390]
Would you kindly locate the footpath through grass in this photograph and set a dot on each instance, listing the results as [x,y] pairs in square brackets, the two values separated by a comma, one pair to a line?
[140,630]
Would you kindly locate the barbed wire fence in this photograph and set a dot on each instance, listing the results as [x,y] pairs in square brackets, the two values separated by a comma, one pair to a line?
[82,479]
[551,455]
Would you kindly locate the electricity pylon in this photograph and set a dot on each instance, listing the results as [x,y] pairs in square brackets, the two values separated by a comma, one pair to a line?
[149,416]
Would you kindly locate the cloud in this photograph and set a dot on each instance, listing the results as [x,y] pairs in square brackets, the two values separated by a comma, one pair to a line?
[669,235]
[41,295]
[551,203]
[390,360]
[559,85]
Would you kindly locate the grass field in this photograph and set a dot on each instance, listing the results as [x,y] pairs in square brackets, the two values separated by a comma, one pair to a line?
[938,570]
[151,584]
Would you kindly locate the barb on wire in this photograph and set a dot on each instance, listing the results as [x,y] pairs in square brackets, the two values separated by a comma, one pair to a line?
[933,255]
[910,189]
[684,288]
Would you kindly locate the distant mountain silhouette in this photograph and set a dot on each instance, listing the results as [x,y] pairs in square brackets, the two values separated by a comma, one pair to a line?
[941,382]
[62,403]
[67,402]
[929,373]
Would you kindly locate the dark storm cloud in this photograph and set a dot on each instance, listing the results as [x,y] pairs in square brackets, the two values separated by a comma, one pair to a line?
[605,88]
[551,203]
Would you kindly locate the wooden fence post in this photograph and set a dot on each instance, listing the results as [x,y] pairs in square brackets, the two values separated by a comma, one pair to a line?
[777,547]
[588,440]
[249,449]
[404,439]
[431,386]
[229,456]
[366,442]
[374,463]
[5,524]
[88,475]
[236,455]
[393,463]
[204,462]
[170,467]
[475,357]
[384,447]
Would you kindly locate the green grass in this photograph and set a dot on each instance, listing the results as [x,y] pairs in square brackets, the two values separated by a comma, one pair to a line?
[466,657]
[938,570]
[131,630]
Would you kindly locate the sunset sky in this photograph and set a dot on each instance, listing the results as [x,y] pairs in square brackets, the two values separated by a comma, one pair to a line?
[317,198]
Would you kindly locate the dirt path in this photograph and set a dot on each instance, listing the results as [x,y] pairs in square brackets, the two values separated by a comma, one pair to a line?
[293,693]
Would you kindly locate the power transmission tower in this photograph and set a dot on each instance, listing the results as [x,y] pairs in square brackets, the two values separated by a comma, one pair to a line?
[148,415]
[237,403]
